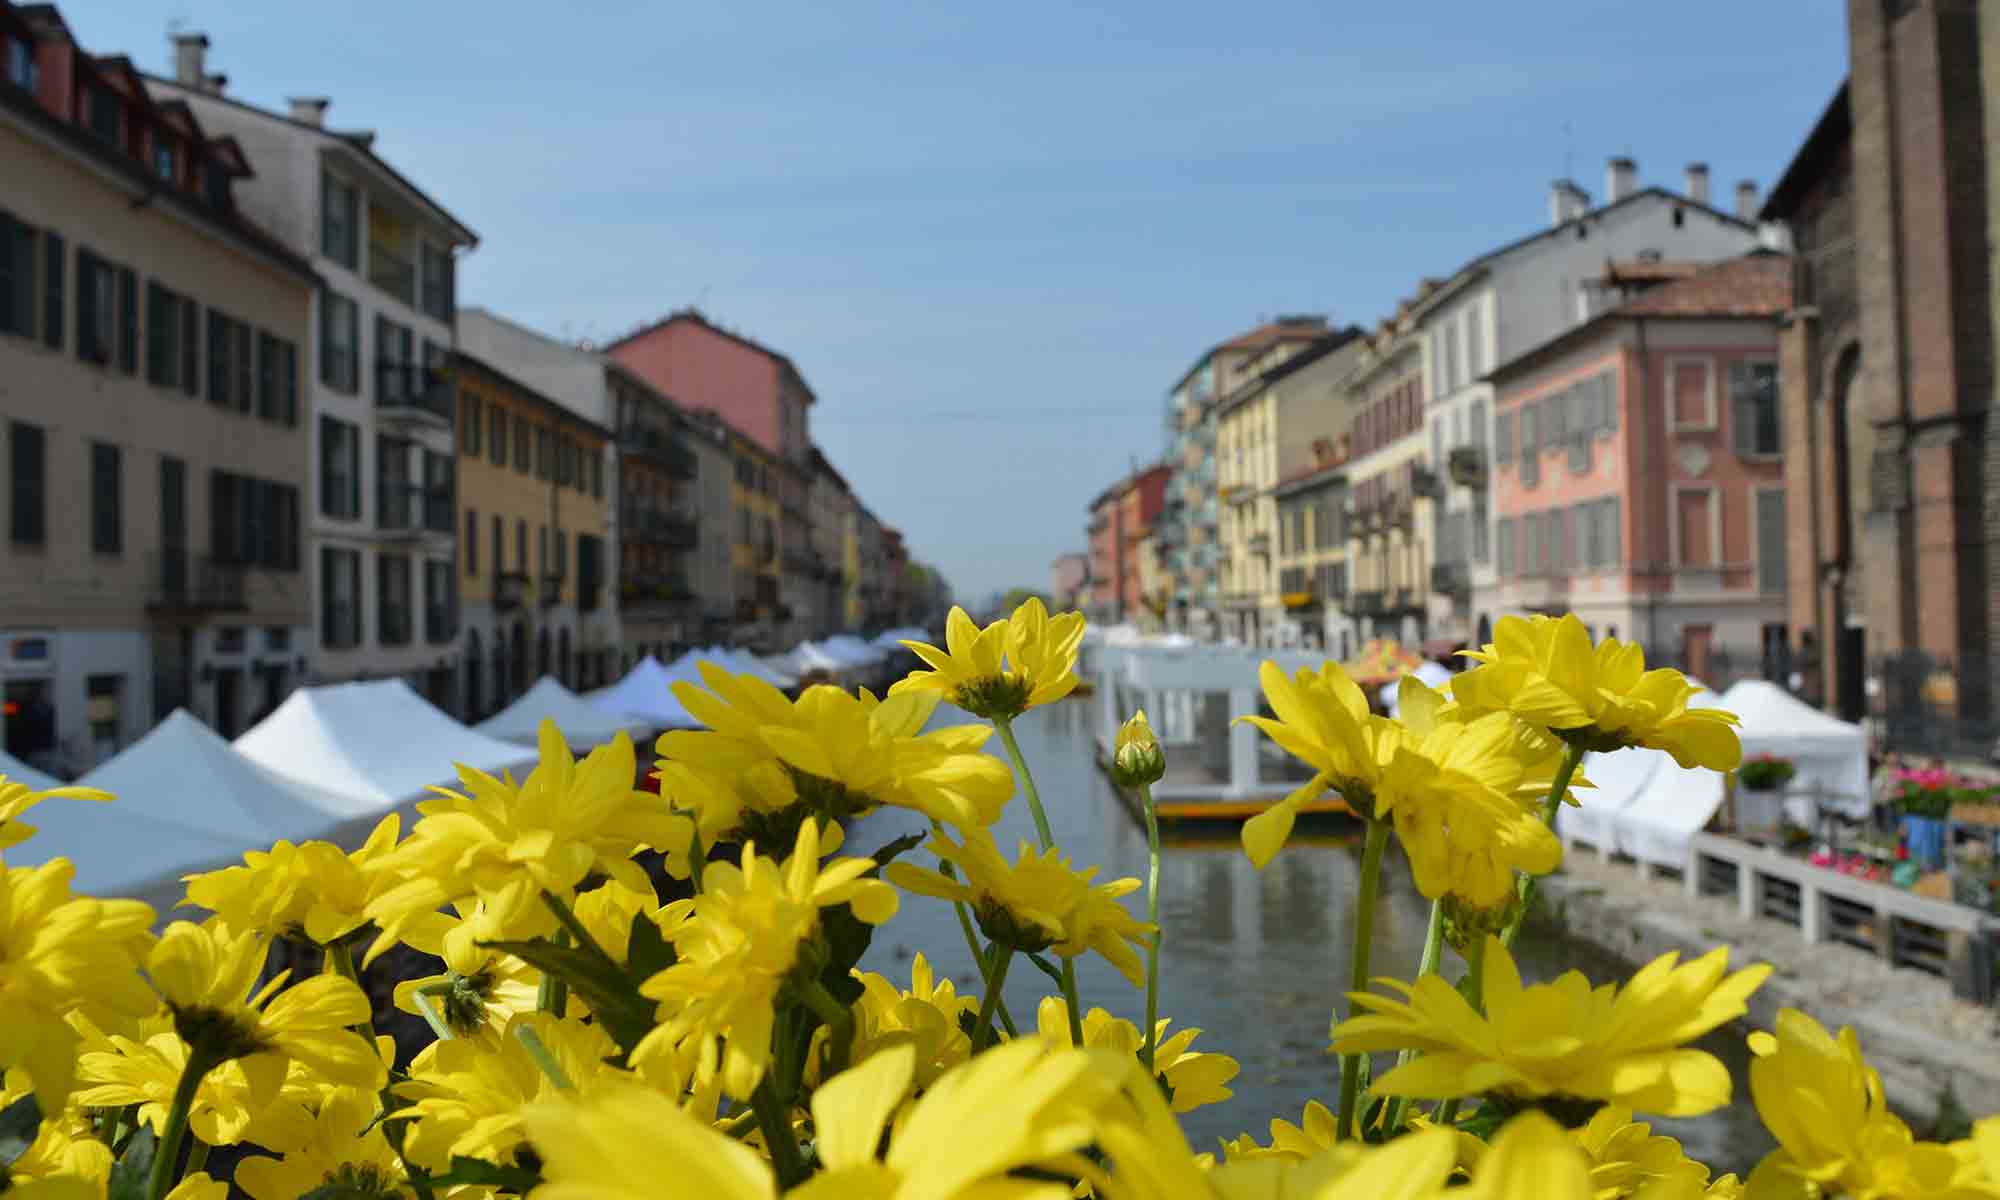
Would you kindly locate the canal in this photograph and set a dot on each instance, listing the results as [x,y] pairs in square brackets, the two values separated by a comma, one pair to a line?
[1256,960]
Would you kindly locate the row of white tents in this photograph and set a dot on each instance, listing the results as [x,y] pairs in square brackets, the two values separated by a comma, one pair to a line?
[330,762]
[1647,806]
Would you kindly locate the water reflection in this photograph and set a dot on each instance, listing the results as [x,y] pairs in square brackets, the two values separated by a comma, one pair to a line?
[1255,959]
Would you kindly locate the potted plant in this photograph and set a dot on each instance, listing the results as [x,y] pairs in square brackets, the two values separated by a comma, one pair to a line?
[1760,784]
[1922,802]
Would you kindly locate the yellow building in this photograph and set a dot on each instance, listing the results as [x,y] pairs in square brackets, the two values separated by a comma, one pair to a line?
[753,554]
[534,516]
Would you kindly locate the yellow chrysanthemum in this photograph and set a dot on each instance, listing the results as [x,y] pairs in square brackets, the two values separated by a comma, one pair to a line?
[342,1145]
[1563,1038]
[1533,1156]
[1136,758]
[59,954]
[1545,671]
[1037,902]
[65,1145]
[481,990]
[206,973]
[1194,1077]
[146,1071]
[1000,672]
[467,1097]
[1322,719]
[506,843]
[1318,1129]
[17,797]
[315,889]
[735,943]
[1626,1156]
[929,1016]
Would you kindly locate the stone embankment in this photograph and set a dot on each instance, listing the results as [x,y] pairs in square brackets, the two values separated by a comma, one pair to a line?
[1913,1029]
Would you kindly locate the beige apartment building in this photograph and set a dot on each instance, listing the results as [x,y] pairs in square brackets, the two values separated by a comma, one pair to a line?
[1390,486]
[155,451]
[1265,429]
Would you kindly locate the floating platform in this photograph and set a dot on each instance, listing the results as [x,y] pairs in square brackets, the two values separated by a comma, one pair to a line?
[1236,811]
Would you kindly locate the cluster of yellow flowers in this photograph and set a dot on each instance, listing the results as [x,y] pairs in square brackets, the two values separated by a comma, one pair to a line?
[595,1039]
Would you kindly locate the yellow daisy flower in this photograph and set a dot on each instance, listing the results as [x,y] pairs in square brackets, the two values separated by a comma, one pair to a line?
[341,1145]
[1545,671]
[1533,1156]
[930,1016]
[315,889]
[735,943]
[1194,1078]
[59,954]
[146,1071]
[65,1146]
[1322,719]
[206,973]
[1002,671]
[483,990]
[17,797]
[1318,1129]
[1626,1156]
[1562,1038]
[1038,902]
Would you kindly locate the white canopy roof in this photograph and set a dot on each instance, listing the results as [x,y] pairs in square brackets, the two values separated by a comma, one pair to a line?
[893,639]
[1619,778]
[1830,755]
[19,772]
[855,648]
[377,741]
[740,662]
[810,656]
[646,693]
[187,801]
[582,723]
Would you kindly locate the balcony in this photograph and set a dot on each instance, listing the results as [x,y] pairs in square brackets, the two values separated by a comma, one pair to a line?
[659,595]
[1467,466]
[181,582]
[1300,599]
[1239,601]
[552,588]
[1423,481]
[1405,600]
[392,272]
[1260,543]
[412,512]
[663,449]
[1368,603]
[667,526]
[510,590]
[395,622]
[1451,578]
[412,395]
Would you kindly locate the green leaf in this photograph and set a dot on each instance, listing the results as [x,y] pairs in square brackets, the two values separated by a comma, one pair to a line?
[477,1172]
[613,995]
[19,1123]
[129,1174]
[1045,967]
[894,850]
[647,951]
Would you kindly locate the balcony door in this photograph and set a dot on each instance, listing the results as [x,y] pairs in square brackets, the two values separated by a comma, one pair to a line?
[173,580]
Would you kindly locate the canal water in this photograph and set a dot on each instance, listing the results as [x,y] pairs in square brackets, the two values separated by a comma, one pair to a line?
[1256,960]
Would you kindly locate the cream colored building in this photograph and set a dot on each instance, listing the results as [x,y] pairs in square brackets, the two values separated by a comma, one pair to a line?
[1390,483]
[153,450]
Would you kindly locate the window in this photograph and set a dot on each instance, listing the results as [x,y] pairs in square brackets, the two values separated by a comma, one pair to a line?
[1503,438]
[523,449]
[17,277]
[128,321]
[542,550]
[439,494]
[220,343]
[339,469]
[562,555]
[107,534]
[499,566]
[27,475]
[101,708]
[55,271]
[339,342]
[394,347]
[1753,408]
[435,296]
[471,543]
[597,476]
[1690,395]
[392,577]
[340,222]
[340,593]
[21,69]
[101,113]
[288,381]
[253,522]
[1610,534]
[1531,546]
[543,453]
[438,608]
[165,163]
[497,444]
[163,336]
[270,400]
[96,308]
[1769,510]
[468,422]
[1503,546]
[1454,365]
[1694,526]
[521,545]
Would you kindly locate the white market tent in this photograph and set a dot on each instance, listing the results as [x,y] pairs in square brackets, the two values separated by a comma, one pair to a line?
[854,647]
[1831,755]
[582,724]
[893,639]
[646,694]
[186,801]
[17,771]
[1658,825]
[763,668]
[378,741]
[808,656]
[1619,779]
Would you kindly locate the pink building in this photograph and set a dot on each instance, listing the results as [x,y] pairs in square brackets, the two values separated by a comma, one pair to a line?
[751,386]
[1638,476]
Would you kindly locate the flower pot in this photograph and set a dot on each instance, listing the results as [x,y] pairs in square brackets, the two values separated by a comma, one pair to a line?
[1759,810]
[1925,838]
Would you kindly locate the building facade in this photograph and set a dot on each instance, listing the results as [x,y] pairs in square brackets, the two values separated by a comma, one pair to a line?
[1638,475]
[535,511]
[712,570]
[830,502]
[1311,517]
[152,343]
[1122,516]
[380,410]
[1069,575]
[1388,531]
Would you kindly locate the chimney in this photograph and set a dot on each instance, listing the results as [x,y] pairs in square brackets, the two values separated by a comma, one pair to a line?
[1697,182]
[1567,202]
[190,59]
[1620,175]
[214,84]
[309,110]
[1746,200]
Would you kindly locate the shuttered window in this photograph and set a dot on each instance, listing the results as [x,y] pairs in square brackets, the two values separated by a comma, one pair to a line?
[1771,548]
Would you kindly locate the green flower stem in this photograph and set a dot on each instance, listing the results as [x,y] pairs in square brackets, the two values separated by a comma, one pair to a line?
[982,1029]
[778,1140]
[1006,727]
[1433,951]
[1376,842]
[201,1060]
[972,940]
[1152,917]
[544,1061]
[431,1015]
[576,928]
[1572,757]
[1475,974]
[740,1124]
[340,960]
[197,1157]
[1447,1112]
[697,855]
[552,995]
[839,1022]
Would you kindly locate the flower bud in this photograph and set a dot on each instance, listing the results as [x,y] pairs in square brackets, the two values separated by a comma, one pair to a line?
[1135,754]
[1465,924]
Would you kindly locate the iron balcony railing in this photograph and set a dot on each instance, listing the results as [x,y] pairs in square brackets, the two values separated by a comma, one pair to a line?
[667,526]
[412,391]
[660,447]
[510,590]
[188,582]
[1451,578]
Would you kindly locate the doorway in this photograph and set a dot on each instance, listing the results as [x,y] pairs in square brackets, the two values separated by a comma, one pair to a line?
[228,699]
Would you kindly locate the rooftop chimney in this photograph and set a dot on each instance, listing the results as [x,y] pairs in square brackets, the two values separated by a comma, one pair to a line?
[1746,200]
[1697,182]
[190,59]
[309,110]
[214,84]
[1620,175]
[1567,201]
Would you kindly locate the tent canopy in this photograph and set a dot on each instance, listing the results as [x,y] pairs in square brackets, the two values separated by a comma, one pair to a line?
[893,639]
[1619,779]
[582,724]
[646,693]
[855,648]
[376,740]
[19,772]
[1675,804]
[1830,755]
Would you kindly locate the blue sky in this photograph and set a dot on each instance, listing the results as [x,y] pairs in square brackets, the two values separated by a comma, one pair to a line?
[992,235]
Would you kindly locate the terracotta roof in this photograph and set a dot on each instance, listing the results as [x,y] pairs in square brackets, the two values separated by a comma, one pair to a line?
[1756,285]
[1285,329]
[1649,271]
